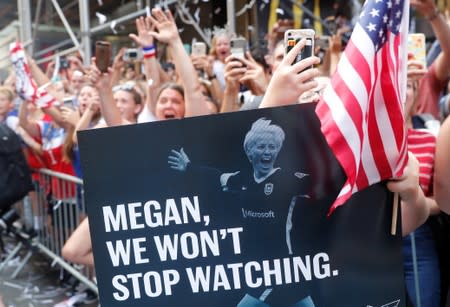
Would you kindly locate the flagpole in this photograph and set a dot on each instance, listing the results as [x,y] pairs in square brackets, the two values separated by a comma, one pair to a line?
[394,214]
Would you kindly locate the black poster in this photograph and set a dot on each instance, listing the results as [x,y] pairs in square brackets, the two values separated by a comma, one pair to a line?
[232,210]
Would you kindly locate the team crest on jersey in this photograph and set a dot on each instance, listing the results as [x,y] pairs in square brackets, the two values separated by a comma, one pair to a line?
[268,188]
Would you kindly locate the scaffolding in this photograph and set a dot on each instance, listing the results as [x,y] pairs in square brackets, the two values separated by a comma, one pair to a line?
[80,36]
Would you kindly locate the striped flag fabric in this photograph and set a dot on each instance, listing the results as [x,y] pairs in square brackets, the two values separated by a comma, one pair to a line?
[361,111]
[26,86]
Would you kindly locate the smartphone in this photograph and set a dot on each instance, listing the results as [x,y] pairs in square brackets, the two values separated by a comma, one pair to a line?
[417,48]
[132,55]
[238,47]
[102,55]
[68,102]
[293,36]
[63,63]
[199,48]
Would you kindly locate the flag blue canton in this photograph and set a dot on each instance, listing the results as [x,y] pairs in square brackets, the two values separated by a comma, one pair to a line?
[379,17]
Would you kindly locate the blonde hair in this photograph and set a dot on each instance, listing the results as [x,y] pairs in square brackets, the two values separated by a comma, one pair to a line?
[263,127]
[219,32]
[8,92]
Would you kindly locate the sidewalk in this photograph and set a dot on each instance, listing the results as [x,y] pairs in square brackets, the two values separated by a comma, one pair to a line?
[37,285]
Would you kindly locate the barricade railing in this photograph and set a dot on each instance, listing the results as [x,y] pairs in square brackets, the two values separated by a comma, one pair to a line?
[58,208]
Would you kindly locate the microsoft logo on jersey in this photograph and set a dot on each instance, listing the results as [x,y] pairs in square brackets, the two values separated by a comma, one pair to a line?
[259,215]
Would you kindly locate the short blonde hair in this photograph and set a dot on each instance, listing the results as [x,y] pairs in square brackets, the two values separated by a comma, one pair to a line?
[8,92]
[263,127]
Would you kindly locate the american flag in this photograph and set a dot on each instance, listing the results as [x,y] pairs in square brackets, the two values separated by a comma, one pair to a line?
[26,86]
[361,112]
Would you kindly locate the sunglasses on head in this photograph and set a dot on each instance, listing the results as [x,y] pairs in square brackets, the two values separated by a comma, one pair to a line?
[124,87]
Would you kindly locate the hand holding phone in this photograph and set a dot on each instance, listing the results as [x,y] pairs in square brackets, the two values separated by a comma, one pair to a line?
[238,47]
[102,55]
[69,102]
[293,36]
[132,55]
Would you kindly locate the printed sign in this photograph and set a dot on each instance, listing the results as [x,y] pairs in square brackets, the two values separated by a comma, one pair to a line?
[231,210]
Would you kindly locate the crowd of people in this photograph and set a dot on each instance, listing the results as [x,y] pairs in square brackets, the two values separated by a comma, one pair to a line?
[175,85]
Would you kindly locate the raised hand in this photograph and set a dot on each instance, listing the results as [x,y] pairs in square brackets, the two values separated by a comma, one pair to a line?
[290,81]
[70,115]
[178,160]
[166,26]
[118,62]
[144,27]
[102,81]
[426,7]
[254,76]
[233,72]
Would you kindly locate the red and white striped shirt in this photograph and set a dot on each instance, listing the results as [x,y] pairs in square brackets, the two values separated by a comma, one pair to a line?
[423,145]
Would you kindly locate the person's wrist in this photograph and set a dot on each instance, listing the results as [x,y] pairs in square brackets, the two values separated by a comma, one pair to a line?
[433,15]
[231,90]
[149,51]
[259,90]
[175,41]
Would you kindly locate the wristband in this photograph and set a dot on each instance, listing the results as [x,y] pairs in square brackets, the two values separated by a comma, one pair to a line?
[148,48]
[212,77]
[149,51]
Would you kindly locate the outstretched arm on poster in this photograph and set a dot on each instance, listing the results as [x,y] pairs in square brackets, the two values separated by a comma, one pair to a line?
[414,206]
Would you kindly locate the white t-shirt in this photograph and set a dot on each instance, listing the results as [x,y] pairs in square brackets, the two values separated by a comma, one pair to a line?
[218,70]
[146,116]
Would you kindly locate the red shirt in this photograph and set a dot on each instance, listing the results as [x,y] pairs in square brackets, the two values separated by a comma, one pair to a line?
[52,143]
[423,145]
[430,89]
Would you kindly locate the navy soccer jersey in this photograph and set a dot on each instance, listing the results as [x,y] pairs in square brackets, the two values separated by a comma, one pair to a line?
[265,207]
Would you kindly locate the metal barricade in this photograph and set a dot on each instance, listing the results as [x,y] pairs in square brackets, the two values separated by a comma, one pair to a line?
[58,209]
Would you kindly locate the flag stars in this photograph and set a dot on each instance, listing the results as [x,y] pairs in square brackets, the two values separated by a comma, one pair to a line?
[374,13]
[380,17]
[371,27]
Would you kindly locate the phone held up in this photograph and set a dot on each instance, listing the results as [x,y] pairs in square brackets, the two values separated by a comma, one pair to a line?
[417,49]
[238,47]
[198,49]
[69,102]
[293,36]
[102,55]
[132,55]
